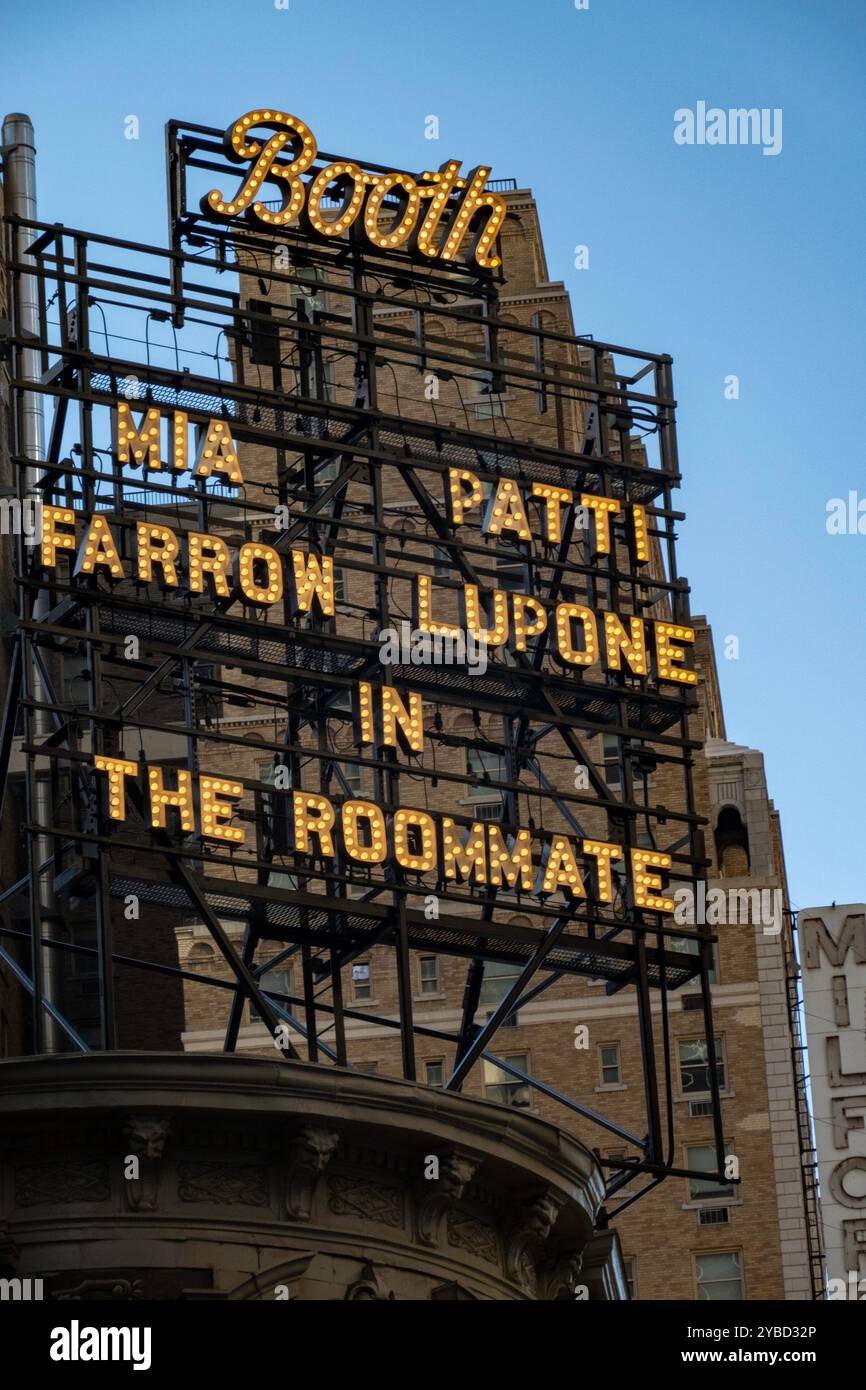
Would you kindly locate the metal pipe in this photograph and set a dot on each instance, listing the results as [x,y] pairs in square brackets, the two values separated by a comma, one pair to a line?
[19,164]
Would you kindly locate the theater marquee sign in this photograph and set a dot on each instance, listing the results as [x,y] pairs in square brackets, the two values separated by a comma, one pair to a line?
[258,576]
[833,959]
[439,215]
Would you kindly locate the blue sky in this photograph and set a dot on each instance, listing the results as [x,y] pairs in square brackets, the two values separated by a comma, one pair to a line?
[733,261]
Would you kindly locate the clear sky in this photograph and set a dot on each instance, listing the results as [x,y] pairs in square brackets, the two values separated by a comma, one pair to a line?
[735,262]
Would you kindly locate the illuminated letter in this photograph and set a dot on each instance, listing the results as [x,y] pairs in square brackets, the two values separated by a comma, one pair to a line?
[641,538]
[399,235]
[603,853]
[462,860]
[364,713]
[666,653]
[180,434]
[422,610]
[474,198]
[52,539]
[98,549]
[156,545]
[160,797]
[522,629]
[459,499]
[266,166]
[445,182]
[566,614]
[213,811]
[218,454]
[312,578]
[505,511]
[409,722]
[208,554]
[117,769]
[133,445]
[314,815]
[251,555]
[553,498]
[352,812]
[643,880]
[603,508]
[342,174]
[619,644]
[559,869]
[497,634]
[507,863]
[424,859]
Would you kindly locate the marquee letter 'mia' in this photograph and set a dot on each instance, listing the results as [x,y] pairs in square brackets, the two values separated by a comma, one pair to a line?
[475,214]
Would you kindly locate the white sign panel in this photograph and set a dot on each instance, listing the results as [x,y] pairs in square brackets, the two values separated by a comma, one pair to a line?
[833,960]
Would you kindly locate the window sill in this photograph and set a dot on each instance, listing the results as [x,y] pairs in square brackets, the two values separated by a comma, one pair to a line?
[703,1095]
[426,998]
[713,1204]
[614,1086]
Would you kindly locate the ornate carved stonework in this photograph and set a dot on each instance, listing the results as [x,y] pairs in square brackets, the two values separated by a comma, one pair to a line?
[465,1233]
[145,1137]
[442,1194]
[147,1134]
[260,1201]
[124,1290]
[309,1154]
[560,1275]
[351,1196]
[224,1183]
[530,1231]
[368,1286]
[40,1184]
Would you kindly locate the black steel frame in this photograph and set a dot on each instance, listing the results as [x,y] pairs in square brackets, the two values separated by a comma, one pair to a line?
[303,669]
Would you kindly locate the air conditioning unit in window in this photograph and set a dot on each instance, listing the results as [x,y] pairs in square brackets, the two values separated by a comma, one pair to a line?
[714,1216]
[692,1001]
[697,1108]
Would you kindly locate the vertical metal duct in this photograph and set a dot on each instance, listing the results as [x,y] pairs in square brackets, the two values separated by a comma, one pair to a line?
[19,162]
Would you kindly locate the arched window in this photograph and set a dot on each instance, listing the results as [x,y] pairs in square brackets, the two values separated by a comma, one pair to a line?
[732,844]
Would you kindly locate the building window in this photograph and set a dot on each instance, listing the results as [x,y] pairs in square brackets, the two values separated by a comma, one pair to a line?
[609,1060]
[703,1157]
[690,946]
[277,981]
[342,700]
[630,1267]
[501,1086]
[341,587]
[611,754]
[719,1275]
[362,984]
[434,1073]
[428,974]
[499,976]
[354,775]
[480,762]
[512,578]
[694,1066]
[492,409]
[443,564]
